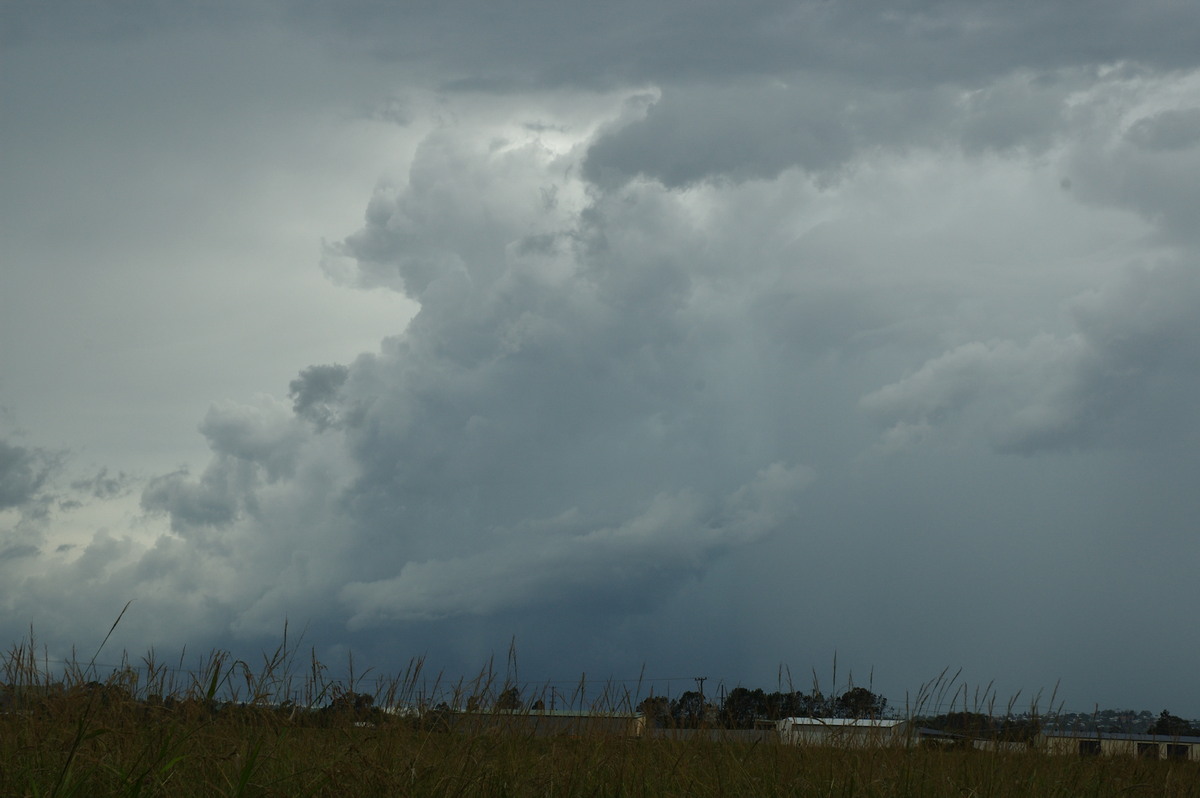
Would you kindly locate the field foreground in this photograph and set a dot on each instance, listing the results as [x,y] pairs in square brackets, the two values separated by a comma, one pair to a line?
[223,730]
[182,752]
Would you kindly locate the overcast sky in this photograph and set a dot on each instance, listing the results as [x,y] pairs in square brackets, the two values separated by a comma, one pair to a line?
[698,337]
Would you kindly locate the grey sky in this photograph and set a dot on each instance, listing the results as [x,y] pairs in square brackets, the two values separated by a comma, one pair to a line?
[689,335]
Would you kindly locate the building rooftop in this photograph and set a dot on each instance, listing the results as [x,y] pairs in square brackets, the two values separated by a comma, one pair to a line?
[874,723]
[1133,737]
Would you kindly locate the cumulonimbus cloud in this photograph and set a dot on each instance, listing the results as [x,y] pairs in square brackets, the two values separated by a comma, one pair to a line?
[548,427]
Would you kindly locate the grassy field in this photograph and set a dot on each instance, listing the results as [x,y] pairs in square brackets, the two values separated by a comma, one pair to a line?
[174,754]
[154,731]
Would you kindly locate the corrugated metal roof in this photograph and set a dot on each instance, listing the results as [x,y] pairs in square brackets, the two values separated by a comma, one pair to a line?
[553,713]
[1130,736]
[872,723]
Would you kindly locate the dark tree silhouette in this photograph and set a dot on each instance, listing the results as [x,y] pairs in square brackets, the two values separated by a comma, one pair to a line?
[1169,725]
[509,699]
[688,710]
[657,710]
[859,702]
[742,707]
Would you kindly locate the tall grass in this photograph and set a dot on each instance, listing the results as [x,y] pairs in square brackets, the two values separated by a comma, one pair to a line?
[282,727]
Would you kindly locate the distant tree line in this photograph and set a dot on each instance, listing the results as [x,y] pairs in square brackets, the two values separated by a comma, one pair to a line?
[979,726]
[1168,725]
[1124,721]
[740,708]
[743,707]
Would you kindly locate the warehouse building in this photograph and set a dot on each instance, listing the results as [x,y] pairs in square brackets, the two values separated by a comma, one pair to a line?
[850,732]
[1151,746]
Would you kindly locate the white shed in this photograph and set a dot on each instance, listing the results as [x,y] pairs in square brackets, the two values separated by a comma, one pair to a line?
[851,732]
[1150,746]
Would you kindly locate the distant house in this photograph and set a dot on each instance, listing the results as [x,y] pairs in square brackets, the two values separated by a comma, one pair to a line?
[1151,746]
[849,732]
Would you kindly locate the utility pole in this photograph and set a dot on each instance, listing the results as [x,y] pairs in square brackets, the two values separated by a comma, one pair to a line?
[700,684]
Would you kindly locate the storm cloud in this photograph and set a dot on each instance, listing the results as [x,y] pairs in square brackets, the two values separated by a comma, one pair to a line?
[522,443]
[693,336]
